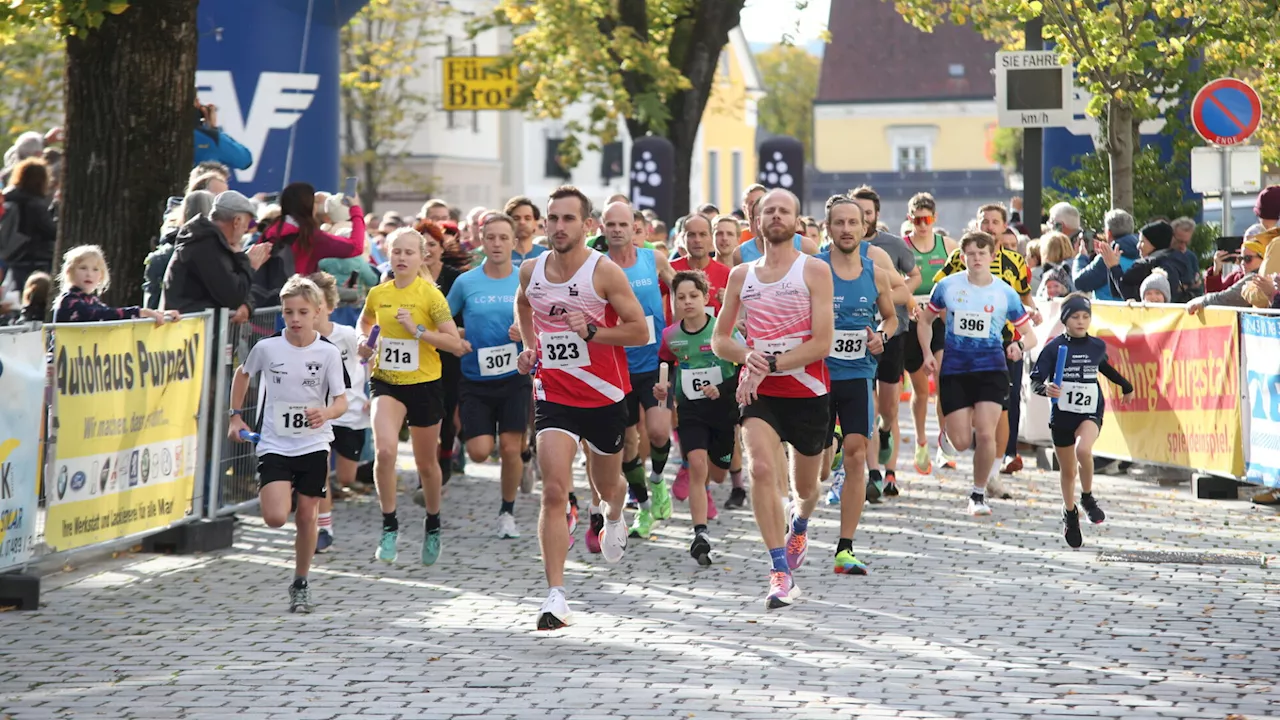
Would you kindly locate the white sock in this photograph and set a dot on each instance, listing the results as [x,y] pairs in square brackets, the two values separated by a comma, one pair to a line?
[593,509]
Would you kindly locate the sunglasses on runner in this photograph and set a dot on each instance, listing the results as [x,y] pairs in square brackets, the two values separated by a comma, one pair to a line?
[922,219]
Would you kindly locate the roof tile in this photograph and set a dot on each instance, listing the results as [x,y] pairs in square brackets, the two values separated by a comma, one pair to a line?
[876,56]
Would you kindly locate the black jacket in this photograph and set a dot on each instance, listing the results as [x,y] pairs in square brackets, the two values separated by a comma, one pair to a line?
[36,222]
[1130,281]
[156,264]
[205,273]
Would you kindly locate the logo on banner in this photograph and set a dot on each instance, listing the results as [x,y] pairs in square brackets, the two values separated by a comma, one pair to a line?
[776,173]
[278,104]
[645,172]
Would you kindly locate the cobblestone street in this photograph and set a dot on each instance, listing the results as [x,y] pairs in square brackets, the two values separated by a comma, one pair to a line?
[988,618]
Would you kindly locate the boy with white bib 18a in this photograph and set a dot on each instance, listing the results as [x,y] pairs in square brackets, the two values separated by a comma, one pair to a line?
[305,389]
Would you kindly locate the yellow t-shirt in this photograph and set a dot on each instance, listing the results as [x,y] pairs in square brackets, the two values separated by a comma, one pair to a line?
[429,308]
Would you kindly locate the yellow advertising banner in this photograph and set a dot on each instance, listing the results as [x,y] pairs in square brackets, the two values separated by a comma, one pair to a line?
[1185,371]
[478,83]
[128,404]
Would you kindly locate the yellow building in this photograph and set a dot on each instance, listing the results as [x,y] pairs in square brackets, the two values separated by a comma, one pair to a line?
[905,111]
[725,154]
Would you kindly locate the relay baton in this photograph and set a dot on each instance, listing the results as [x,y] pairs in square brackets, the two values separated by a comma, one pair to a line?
[1057,373]
[250,436]
[372,342]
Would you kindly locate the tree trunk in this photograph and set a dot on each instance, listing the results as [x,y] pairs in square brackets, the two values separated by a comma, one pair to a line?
[130,122]
[1120,147]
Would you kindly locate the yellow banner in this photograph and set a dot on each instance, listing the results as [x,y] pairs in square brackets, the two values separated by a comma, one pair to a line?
[478,83]
[128,403]
[1185,372]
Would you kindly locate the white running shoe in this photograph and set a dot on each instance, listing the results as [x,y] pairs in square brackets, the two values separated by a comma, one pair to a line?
[995,488]
[978,505]
[555,612]
[613,540]
[507,529]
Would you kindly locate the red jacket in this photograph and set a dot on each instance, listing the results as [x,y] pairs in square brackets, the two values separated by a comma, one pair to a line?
[323,245]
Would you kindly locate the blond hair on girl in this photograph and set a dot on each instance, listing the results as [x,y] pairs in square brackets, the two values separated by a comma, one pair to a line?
[82,254]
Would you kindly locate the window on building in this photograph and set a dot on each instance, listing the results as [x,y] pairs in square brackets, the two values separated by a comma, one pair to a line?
[552,167]
[724,65]
[956,70]
[737,177]
[713,176]
[911,158]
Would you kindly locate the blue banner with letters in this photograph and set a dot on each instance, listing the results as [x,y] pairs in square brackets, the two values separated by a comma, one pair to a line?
[22,382]
[271,67]
[1260,343]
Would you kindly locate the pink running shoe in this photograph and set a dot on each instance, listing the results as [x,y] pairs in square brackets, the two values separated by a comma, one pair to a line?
[571,516]
[594,528]
[680,488]
[782,591]
[797,548]
[712,512]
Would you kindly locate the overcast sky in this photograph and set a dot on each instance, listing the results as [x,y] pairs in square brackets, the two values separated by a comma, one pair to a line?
[765,21]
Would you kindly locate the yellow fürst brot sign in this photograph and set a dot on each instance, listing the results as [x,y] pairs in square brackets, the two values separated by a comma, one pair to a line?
[478,83]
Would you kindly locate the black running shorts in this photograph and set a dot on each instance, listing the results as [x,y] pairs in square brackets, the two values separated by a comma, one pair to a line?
[423,402]
[600,427]
[913,359]
[308,473]
[347,442]
[804,423]
[499,406]
[966,390]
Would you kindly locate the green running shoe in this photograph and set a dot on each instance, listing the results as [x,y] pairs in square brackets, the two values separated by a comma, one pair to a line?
[886,446]
[660,495]
[924,465]
[387,547]
[848,564]
[431,548]
[642,525]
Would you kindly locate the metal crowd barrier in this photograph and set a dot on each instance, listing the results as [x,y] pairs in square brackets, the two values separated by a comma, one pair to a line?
[233,484]
[95,498]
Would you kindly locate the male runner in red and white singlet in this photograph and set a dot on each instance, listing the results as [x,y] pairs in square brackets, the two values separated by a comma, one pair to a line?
[576,312]
[787,299]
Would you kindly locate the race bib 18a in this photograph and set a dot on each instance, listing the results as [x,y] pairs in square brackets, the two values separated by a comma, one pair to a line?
[291,420]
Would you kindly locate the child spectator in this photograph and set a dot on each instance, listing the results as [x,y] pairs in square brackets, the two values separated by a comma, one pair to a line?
[35,297]
[84,275]
[1155,289]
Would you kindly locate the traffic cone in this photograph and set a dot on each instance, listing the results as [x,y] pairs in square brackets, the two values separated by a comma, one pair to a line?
[905,395]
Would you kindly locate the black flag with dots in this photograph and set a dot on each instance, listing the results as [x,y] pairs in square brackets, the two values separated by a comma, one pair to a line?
[652,173]
[782,165]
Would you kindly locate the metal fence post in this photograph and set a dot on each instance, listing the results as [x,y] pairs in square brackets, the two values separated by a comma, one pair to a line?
[220,354]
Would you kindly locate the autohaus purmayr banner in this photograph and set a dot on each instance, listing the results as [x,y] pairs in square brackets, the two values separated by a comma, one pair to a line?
[127,400]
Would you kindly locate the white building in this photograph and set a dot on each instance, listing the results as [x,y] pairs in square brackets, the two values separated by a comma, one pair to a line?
[484,158]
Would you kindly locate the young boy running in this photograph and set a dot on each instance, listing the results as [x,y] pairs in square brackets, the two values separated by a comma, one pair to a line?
[1076,416]
[973,382]
[306,389]
[705,390]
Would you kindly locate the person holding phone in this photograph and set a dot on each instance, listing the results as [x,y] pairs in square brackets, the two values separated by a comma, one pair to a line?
[1226,268]
[213,144]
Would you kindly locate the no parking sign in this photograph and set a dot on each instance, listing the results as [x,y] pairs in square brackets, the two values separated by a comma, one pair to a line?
[1226,111]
